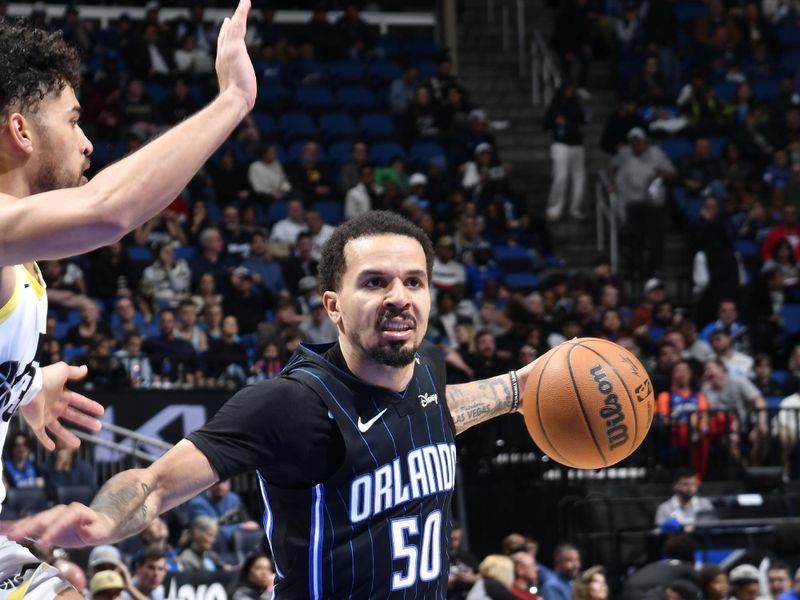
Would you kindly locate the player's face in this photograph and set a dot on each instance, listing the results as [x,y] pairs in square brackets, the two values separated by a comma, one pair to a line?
[383,305]
[61,153]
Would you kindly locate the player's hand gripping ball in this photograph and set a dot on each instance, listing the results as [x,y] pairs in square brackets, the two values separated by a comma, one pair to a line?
[588,403]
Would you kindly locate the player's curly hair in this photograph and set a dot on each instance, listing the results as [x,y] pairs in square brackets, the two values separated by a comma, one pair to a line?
[376,222]
[33,63]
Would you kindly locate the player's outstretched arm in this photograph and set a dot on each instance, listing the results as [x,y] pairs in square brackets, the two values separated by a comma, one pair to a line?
[478,401]
[128,193]
[124,506]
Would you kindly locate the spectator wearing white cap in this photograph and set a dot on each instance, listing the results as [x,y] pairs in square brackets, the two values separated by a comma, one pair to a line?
[418,190]
[744,583]
[479,174]
[638,173]
[565,118]
[447,272]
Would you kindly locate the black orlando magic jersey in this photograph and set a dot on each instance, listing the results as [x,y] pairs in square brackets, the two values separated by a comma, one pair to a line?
[379,526]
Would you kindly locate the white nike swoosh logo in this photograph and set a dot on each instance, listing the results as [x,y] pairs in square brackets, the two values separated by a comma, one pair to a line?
[364,427]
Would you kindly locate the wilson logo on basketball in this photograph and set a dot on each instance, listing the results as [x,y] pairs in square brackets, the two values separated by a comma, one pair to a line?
[616,429]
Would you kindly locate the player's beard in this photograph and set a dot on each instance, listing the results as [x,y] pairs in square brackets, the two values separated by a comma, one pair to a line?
[52,174]
[396,354]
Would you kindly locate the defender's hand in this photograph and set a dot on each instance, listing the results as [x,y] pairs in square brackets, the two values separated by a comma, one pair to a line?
[54,402]
[234,69]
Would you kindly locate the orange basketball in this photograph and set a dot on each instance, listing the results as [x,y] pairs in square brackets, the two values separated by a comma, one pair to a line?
[588,403]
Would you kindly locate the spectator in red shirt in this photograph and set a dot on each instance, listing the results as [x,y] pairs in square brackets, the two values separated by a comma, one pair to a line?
[787,229]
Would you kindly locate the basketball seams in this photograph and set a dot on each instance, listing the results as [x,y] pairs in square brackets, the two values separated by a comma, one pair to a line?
[539,414]
[635,420]
[580,404]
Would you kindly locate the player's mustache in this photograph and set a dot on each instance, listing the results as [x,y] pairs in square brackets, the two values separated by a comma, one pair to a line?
[393,314]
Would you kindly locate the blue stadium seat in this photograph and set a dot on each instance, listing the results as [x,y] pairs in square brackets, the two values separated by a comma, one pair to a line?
[389,44]
[356,98]
[690,11]
[331,212]
[421,152]
[337,126]
[791,60]
[676,148]
[691,208]
[317,98]
[214,211]
[64,494]
[726,90]
[312,69]
[513,258]
[629,67]
[201,93]
[296,150]
[377,126]
[766,89]
[62,329]
[68,355]
[26,501]
[788,35]
[185,252]
[264,122]
[339,153]
[297,125]
[105,151]
[747,247]
[157,92]
[346,71]
[73,316]
[773,403]
[272,97]
[382,153]
[426,69]
[418,47]
[790,314]
[522,282]
[717,146]
[781,376]
[383,71]
[140,254]
[277,211]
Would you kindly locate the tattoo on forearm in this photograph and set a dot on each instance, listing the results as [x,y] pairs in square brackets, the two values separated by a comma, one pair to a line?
[125,502]
[472,403]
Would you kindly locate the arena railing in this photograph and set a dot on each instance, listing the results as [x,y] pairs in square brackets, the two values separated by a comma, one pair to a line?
[608,218]
[105,14]
[545,72]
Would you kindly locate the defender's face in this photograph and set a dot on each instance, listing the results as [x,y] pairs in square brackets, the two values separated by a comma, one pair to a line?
[61,149]
[384,302]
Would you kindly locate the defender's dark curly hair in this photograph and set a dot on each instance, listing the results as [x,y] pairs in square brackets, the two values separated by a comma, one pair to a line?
[33,63]
[377,222]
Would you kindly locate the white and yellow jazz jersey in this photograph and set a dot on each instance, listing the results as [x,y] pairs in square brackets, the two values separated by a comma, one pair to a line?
[23,321]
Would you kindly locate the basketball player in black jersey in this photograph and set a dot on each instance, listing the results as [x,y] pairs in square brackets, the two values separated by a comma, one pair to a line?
[353,444]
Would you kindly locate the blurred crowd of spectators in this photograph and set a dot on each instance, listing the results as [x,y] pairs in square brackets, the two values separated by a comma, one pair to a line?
[220,288]
[704,141]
